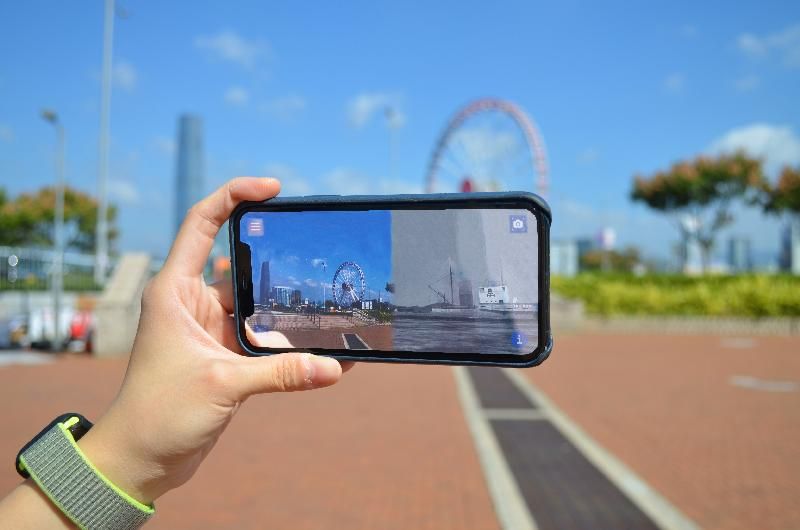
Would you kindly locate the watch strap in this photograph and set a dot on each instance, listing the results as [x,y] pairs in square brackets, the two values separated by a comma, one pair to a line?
[81,492]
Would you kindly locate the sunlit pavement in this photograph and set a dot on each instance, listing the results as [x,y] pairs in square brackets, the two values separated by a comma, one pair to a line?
[675,410]
[13,357]
[709,425]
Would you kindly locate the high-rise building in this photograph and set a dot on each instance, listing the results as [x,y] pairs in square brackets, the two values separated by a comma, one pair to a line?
[790,247]
[740,257]
[297,297]
[264,288]
[190,167]
[282,295]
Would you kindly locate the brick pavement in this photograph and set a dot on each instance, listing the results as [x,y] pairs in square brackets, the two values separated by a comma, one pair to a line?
[728,457]
[387,448]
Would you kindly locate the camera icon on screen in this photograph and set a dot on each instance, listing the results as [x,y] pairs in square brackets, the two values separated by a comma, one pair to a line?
[518,224]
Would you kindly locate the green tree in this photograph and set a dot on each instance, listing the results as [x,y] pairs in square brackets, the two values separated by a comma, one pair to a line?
[699,193]
[617,261]
[785,195]
[28,219]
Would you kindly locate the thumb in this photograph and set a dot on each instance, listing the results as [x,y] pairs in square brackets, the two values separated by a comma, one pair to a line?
[286,372]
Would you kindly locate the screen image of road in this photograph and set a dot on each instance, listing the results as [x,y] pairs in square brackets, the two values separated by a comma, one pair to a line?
[455,281]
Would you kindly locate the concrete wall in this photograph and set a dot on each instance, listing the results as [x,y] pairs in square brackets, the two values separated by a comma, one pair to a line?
[117,311]
[477,244]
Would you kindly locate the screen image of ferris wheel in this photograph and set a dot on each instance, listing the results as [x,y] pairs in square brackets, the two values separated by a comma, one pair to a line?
[458,281]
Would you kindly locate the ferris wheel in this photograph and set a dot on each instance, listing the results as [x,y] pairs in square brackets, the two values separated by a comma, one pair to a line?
[348,284]
[489,145]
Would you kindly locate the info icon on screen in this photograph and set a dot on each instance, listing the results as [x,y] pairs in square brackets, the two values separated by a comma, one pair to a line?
[518,224]
[518,339]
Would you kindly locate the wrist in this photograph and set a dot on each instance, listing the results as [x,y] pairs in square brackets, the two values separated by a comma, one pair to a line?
[111,448]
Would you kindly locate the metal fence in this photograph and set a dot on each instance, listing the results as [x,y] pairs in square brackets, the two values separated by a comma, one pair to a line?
[30,269]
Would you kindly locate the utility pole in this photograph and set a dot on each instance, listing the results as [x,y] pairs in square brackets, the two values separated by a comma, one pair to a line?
[101,236]
[57,283]
[452,292]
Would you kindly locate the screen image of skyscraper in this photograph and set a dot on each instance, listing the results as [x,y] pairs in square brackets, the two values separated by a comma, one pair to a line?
[282,295]
[190,167]
[263,285]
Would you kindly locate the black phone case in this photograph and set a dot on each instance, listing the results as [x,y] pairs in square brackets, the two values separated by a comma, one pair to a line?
[422,201]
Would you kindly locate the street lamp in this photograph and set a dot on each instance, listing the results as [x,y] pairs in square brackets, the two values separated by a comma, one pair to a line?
[101,236]
[57,283]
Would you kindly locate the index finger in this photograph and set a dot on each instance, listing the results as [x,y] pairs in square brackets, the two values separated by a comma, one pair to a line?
[192,246]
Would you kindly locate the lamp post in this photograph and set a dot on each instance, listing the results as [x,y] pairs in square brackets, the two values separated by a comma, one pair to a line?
[57,283]
[101,237]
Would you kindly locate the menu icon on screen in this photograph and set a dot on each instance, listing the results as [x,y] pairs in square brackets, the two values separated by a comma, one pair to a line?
[255,227]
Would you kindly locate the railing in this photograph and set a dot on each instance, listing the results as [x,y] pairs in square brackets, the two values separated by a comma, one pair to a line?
[30,269]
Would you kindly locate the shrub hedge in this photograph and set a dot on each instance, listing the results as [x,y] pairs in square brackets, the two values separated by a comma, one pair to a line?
[747,295]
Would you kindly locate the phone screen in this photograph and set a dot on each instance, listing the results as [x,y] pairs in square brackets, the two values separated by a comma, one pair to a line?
[439,280]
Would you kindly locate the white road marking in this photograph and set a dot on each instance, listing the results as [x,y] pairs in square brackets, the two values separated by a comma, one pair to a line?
[659,509]
[509,505]
[739,343]
[765,385]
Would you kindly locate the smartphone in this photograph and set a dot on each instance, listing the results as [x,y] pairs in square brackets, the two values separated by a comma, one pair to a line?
[458,278]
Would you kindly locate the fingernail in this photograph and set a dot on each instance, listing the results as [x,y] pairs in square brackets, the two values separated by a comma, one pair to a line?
[321,371]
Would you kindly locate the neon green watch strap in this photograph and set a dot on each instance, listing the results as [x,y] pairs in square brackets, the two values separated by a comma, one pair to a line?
[81,492]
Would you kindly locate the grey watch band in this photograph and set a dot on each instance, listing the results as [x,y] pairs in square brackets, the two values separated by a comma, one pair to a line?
[81,492]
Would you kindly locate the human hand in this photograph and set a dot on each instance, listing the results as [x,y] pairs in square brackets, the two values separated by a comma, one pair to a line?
[186,377]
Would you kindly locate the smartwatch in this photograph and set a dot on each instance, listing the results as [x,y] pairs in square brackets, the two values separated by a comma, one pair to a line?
[53,460]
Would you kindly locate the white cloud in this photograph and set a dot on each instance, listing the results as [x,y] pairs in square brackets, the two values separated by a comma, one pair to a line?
[776,145]
[689,30]
[292,280]
[675,83]
[319,263]
[310,283]
[577,209]
[6,133]
[347,181]
[364,106]
[292,183]
[747,83]
[588,155]
[164,145]
[124,75]
[229,46]
[284,108]
[123,191]
[341,180]
[237,96]
[751,45]
[785,44]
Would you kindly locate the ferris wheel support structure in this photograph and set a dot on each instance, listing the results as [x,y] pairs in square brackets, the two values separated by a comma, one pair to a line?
[526,124]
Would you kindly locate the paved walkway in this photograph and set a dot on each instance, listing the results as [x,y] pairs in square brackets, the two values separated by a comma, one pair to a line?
[611,432]
[713,423]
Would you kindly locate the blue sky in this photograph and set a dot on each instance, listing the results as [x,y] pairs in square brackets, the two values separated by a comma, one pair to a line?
[298,91]
[305,248]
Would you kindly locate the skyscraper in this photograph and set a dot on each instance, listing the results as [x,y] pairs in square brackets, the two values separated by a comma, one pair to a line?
[190,168]
[282,295]
[740,257]
[790,247]
[264,284]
